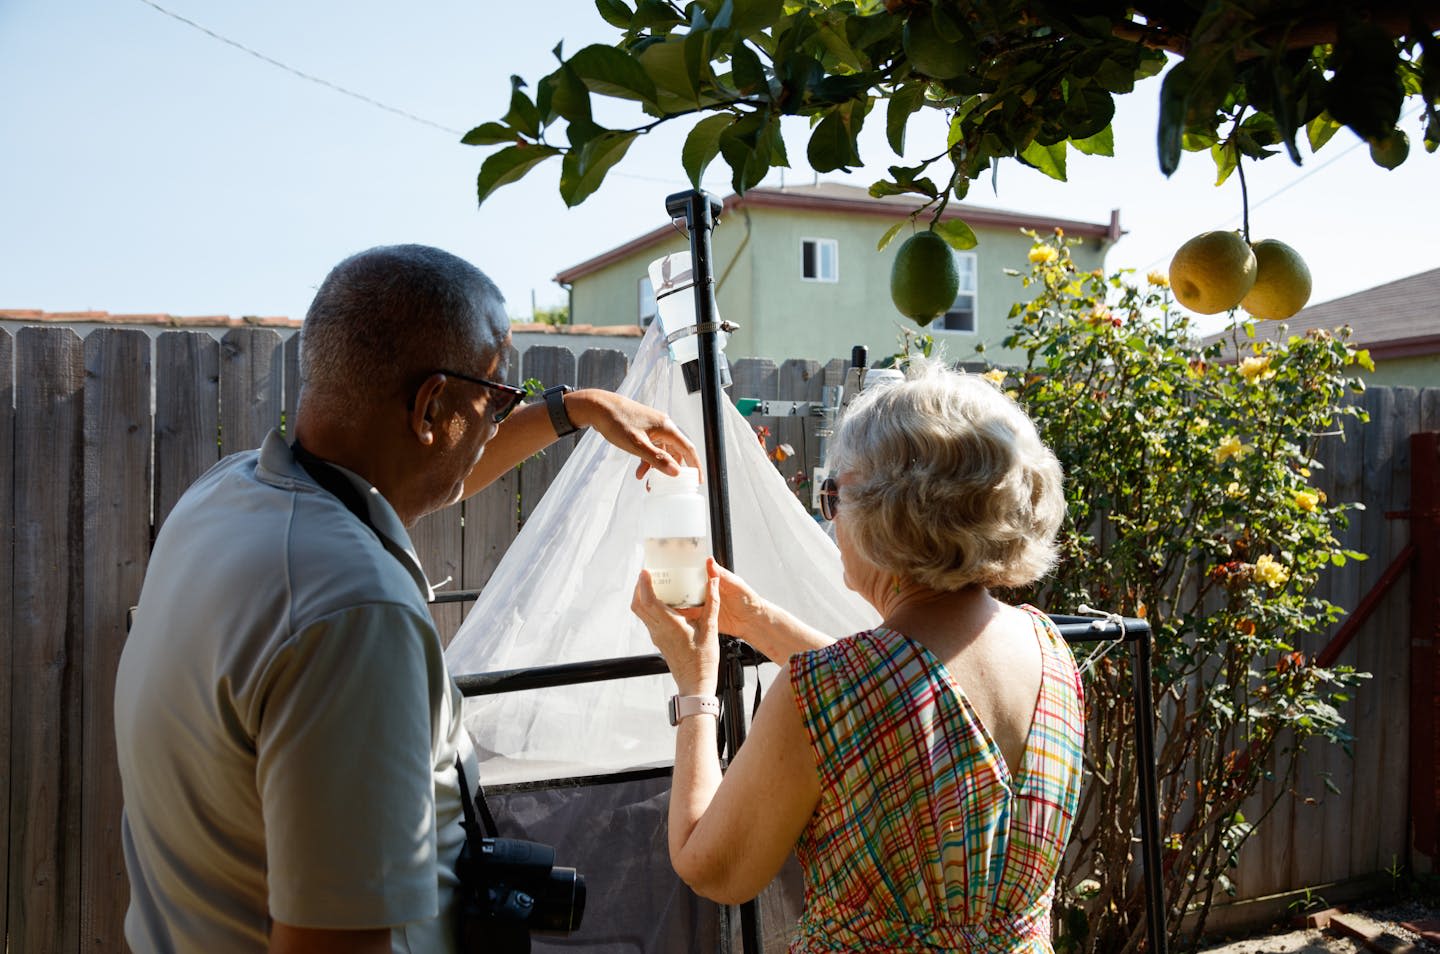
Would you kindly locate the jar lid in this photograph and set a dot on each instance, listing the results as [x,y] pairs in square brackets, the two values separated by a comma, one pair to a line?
[659,482]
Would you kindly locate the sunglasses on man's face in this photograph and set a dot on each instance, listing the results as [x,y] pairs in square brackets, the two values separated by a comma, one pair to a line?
[829,498]
[508,399]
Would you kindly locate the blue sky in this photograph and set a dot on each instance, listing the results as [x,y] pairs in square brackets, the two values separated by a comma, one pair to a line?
[148,167]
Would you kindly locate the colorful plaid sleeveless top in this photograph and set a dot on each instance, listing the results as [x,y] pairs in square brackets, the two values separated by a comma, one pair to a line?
[921,840]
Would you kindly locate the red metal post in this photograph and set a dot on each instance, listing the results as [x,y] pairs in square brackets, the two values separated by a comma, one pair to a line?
[1425,645]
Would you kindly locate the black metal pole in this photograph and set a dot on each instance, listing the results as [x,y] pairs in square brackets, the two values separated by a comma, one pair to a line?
[700,210]
[1149,797]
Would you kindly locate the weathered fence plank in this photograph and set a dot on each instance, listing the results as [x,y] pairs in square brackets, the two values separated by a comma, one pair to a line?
[7,580]
[1390,685]
[187,414]
[291,379]
[550,365]
[46,773]
[803,381]
[117,548]
[492,518]
[252,397]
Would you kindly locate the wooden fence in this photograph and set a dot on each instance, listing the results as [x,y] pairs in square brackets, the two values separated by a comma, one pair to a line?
[104,434]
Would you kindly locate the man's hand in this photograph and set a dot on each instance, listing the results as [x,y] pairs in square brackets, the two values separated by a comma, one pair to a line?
[285,939]
[634,428]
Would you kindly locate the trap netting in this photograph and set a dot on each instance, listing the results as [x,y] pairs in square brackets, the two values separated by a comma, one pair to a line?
[562,594]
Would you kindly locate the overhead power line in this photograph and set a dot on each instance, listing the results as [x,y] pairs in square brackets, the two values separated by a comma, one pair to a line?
[301,73]
[336,87]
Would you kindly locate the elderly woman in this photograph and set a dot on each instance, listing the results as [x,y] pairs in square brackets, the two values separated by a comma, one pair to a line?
[926,772]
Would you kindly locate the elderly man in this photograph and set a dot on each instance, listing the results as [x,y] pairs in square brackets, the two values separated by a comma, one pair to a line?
[286,726]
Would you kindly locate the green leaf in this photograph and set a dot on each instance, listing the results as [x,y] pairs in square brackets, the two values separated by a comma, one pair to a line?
[902,105]
[1048,159]
[489,134]
[674,85]
[746,151]
[702,145]
[1224,157]
[956,234]
[583,170]
[1100,144]
[655,15]
[753,16]
[746,70]
[522,115]
[563,94]
[615,13]
[1319,130]
[611,72]
[832,144]
[509,165]
[890,234]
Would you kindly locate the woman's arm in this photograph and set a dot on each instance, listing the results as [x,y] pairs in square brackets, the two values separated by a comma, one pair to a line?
[769,628]
[729,836]
[631,426]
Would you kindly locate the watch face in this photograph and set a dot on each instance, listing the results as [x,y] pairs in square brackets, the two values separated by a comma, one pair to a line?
[674,713]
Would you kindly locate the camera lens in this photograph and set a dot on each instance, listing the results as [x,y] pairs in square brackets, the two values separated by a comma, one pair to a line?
[559,901]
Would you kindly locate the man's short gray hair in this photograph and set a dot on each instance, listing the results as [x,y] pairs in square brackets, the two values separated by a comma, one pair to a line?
[946,482]
[386,315]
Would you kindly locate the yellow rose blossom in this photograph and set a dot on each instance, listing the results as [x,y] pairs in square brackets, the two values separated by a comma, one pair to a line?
[1043,255]
[1233,490]
[1230,447]
[1256,369]
[1199,424]
[1271,572]
[995,376]
[1305,500]
[1158,280]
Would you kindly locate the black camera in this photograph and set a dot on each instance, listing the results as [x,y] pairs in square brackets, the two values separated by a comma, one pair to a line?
[511,888]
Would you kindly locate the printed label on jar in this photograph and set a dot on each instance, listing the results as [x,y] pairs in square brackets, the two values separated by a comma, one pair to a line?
[677,569]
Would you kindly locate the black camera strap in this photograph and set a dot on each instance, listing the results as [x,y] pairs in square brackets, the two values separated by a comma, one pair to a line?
[469,806]
[329,477]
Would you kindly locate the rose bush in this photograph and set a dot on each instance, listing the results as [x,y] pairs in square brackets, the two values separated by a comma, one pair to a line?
[1191,504]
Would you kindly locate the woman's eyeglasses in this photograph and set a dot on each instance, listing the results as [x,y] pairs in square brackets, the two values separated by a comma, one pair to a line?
[829,498]
[509,399]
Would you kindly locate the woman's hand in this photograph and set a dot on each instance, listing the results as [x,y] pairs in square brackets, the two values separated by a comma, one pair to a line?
[688,639]
[742,610]
[634,428]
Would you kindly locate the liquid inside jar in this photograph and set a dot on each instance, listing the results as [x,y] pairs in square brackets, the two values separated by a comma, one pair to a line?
[677,569]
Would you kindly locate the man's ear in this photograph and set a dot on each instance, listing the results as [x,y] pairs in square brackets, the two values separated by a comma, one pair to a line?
[425,409]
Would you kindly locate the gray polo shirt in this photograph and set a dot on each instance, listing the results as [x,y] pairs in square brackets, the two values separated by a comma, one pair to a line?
[287,729]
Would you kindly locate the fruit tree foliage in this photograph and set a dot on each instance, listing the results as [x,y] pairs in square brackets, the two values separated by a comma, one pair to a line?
[1024,80]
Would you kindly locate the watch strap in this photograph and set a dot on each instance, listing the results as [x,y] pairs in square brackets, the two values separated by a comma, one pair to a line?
[555,404]
[682,707]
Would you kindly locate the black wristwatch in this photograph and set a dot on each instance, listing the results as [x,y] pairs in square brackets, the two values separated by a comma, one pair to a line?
[555,404]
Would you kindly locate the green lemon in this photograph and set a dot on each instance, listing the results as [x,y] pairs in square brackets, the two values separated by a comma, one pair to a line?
[924,279]
[1212,272]
[1390,150]
[930,53]
[1282,281]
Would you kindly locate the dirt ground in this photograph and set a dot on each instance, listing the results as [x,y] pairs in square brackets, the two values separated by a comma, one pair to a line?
[1385,920]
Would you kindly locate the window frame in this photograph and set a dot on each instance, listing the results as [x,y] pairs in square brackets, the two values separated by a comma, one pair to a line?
[643,285]
[834,245]
[974,293]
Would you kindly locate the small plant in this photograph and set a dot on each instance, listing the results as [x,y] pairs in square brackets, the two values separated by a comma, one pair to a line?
[1307,902]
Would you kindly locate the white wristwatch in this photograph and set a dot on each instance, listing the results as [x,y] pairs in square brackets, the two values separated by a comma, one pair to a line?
[682,707]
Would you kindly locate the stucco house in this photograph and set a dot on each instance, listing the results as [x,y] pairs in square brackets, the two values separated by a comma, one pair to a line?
[1398,323]
[796,268]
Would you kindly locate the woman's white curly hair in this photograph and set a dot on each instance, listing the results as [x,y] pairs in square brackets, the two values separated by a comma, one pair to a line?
[946,482]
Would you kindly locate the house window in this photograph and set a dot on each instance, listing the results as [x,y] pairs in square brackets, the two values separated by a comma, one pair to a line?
[962,314]
[819,260]
[646,295]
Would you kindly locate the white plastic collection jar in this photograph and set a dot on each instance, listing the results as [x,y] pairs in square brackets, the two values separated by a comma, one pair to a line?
[675,528]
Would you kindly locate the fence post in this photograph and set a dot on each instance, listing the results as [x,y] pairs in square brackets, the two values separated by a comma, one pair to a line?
[1425,645]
